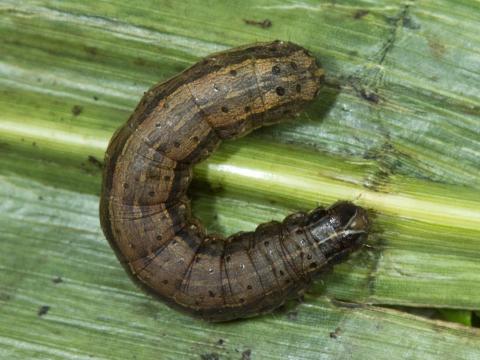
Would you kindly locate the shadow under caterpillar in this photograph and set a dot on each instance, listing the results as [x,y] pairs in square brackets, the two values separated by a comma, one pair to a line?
[146,215]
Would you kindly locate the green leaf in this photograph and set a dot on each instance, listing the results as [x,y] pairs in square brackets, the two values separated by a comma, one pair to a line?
[396,129]
[458,316]
[64,295]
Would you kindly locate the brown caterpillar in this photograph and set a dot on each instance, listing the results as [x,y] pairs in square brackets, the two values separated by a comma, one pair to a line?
[145,213]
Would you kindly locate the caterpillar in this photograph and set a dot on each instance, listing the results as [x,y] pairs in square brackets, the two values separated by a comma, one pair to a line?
[145,213]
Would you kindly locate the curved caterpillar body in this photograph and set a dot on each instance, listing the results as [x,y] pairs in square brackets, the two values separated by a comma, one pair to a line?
[146,215]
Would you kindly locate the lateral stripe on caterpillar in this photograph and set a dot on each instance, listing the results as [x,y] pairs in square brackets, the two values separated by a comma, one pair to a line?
[146,215]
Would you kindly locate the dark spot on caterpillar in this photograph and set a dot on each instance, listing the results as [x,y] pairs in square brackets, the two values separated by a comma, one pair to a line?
[95,97]
[264,24]
[57,280]
[220,342]
[165,282]
[77,110]
[43,310]
[164,241]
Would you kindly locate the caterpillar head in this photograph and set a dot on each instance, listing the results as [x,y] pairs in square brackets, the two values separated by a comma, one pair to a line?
[339,229]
